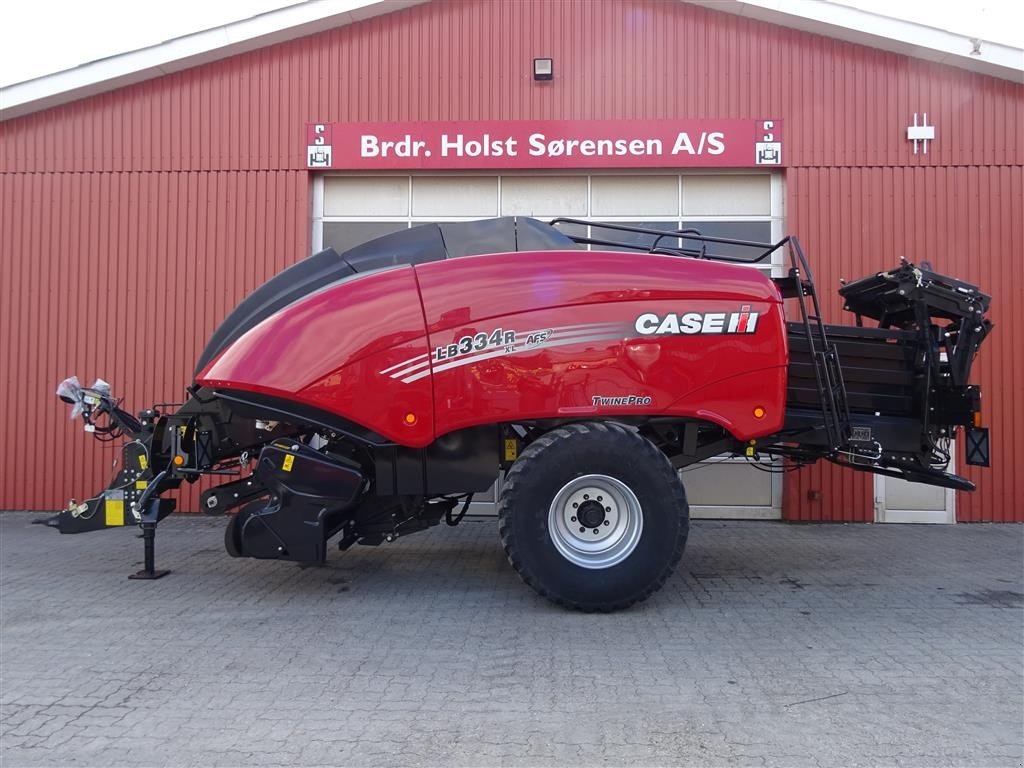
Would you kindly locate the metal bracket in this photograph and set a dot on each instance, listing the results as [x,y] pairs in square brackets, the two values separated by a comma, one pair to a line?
[977,447]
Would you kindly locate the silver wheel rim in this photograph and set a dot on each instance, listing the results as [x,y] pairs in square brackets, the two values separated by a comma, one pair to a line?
[590,539]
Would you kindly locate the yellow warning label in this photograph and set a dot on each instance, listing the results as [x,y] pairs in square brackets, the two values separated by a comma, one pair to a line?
[140,485]
[143,463]
[511,449]
[286,465]
[113,511]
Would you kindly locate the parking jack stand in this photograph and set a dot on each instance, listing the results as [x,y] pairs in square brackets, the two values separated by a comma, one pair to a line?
[149,520]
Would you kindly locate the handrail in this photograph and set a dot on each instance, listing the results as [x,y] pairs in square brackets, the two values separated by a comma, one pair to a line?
[679,234]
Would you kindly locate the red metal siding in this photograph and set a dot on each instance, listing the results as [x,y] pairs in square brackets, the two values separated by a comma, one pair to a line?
[122,275]
[133,220]
[967,221]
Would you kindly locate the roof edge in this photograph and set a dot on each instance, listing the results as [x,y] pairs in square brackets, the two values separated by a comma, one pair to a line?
[822,17]
[856,25]
[187,51]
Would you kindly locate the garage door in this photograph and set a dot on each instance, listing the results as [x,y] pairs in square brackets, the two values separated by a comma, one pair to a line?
[351,209]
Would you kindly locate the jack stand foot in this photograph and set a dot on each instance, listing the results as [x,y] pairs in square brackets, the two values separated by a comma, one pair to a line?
[148,575]
[149,572]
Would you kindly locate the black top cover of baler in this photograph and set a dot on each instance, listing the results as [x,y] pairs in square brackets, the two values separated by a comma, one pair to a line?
[418,245]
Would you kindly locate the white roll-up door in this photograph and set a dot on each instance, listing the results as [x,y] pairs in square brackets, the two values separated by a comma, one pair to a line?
[351,209]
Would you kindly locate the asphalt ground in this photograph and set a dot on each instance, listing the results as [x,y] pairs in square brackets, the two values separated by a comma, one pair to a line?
[774,644]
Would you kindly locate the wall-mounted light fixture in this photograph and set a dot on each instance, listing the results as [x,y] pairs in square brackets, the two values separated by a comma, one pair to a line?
[543,69]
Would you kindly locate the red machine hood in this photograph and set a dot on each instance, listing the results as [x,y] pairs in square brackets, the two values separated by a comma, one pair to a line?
[415,352]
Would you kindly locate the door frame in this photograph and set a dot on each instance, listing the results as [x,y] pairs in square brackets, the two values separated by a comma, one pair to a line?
[930,516]
[776,216]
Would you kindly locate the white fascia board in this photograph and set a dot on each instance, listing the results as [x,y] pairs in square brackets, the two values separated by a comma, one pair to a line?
[188,51]
[855,25]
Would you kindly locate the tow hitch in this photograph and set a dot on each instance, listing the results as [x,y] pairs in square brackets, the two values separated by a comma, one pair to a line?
[132,497]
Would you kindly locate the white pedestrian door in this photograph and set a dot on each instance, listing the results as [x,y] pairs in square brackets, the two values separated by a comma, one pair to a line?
[898,501]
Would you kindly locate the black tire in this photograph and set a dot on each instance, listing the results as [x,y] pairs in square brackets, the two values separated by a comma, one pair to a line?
[551,464]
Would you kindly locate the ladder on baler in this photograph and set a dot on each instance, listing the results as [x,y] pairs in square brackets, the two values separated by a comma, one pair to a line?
[835,411]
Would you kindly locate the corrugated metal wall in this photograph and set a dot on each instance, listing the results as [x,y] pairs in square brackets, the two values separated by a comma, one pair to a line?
[134,220]
[123,276]
[966,220]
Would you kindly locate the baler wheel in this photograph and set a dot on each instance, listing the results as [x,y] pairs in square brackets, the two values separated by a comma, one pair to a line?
[593,516]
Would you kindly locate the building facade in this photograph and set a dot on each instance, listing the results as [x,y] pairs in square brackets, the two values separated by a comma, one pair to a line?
[134,219]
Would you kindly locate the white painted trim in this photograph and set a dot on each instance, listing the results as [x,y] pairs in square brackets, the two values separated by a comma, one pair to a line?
[778,212]
[317,239]
[855,25]
[277,26]
[920,517]
[734,513]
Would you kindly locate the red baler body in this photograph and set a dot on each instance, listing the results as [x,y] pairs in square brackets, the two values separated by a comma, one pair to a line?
[551,335]
[371,394]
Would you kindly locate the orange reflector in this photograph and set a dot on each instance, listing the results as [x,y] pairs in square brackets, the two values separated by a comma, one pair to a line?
[410,418]
[759,412]
[977,418]
[179,460]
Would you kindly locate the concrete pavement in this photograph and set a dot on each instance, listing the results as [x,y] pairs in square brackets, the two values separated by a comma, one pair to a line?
[774,644]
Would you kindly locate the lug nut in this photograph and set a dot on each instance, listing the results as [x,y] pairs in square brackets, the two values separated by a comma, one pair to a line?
[607,523]
[607,509]
[582,529]
[574,505]
[596,531]
[600,498]
[574,519]
[586,495]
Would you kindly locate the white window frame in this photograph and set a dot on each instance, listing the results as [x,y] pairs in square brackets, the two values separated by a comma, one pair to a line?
[776,217]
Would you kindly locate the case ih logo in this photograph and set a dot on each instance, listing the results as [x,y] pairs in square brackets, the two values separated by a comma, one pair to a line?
[691,323]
